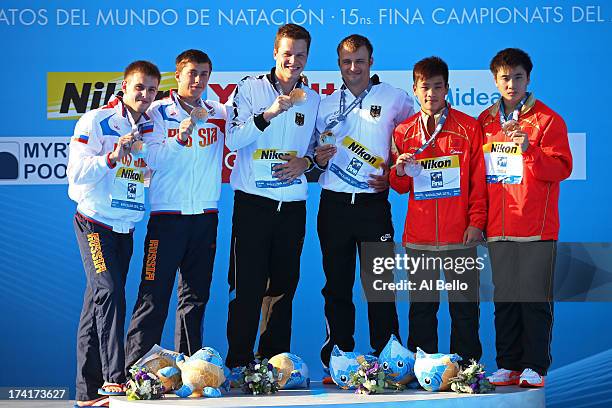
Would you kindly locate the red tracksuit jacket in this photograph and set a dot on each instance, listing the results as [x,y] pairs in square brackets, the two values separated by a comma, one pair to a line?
[439,223]
[529,211]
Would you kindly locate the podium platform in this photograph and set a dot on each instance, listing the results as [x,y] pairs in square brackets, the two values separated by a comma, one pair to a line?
[320,395]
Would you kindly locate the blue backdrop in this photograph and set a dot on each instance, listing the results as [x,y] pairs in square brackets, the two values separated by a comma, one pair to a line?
[41,275]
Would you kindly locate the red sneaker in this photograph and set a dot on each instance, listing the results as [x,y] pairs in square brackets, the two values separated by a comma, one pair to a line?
[531,379]
[327,380]
[504,377]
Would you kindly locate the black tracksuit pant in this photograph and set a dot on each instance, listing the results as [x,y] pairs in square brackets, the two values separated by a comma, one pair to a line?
[186,243]
[263,275]
[344,222]
[523,275]
[106,259]
[463,305]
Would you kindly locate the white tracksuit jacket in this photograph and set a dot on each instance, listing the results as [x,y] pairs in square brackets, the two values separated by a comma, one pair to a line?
[364,138]
[92,180]
[186,177]
[258,143]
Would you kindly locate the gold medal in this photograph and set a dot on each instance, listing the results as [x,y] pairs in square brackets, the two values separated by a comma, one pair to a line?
[297,96]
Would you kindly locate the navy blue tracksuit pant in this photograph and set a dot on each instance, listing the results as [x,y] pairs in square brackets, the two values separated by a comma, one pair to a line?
[186,243]
[106,258]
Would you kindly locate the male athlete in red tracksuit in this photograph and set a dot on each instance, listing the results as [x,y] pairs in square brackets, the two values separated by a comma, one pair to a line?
[446,209]
[525,162]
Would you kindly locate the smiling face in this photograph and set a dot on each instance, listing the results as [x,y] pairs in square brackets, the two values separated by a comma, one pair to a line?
[431,93]
[355,67]
[291,56]
[139,91]
[512,84]
[192,79]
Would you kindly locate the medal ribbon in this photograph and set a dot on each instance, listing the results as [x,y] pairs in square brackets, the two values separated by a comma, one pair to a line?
[279,88]
[345,110]
[435,133]
[515,114]
[134,125]
[189,105]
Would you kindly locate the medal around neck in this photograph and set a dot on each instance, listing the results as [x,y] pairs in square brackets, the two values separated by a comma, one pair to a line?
[297,96]
[510,126]
[138,145]
[328,138]
[413,169]
[198,115]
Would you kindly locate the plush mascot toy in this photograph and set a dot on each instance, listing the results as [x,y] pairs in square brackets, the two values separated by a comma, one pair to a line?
[292,371]
[202,374]
[343,364]
[397,361]
[435,370]
[162,363]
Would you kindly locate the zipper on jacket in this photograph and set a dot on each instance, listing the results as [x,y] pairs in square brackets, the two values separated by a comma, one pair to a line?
[437,235]
[353,197]
[503,211]
[282,146]
[193,169]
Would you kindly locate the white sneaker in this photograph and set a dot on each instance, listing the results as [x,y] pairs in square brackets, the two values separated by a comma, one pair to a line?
[504,377]
[530,378]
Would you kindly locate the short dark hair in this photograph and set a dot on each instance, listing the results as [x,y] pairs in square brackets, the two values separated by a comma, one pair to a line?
[194,56]
[428,68]
[511,58]
[353,42]
[144,67]
[293,31]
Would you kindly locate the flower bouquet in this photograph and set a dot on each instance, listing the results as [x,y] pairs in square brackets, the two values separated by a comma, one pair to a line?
[260,377]
[369,378]
[471,380]
[143,385]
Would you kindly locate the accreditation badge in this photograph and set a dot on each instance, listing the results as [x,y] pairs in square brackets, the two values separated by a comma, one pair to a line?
[354,163]
[264,162]
[128,188]
[440,177]
[504,162]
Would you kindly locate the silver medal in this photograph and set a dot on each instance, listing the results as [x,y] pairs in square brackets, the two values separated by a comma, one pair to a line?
[328,138]
[413,169]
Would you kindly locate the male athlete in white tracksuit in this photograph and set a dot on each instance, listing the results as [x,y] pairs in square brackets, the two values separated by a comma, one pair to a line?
[272,137]
[185,156]
[354,208]
[106,179]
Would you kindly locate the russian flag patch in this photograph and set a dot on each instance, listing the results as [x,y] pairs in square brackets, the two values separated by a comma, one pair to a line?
[146,128]
[83,139]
